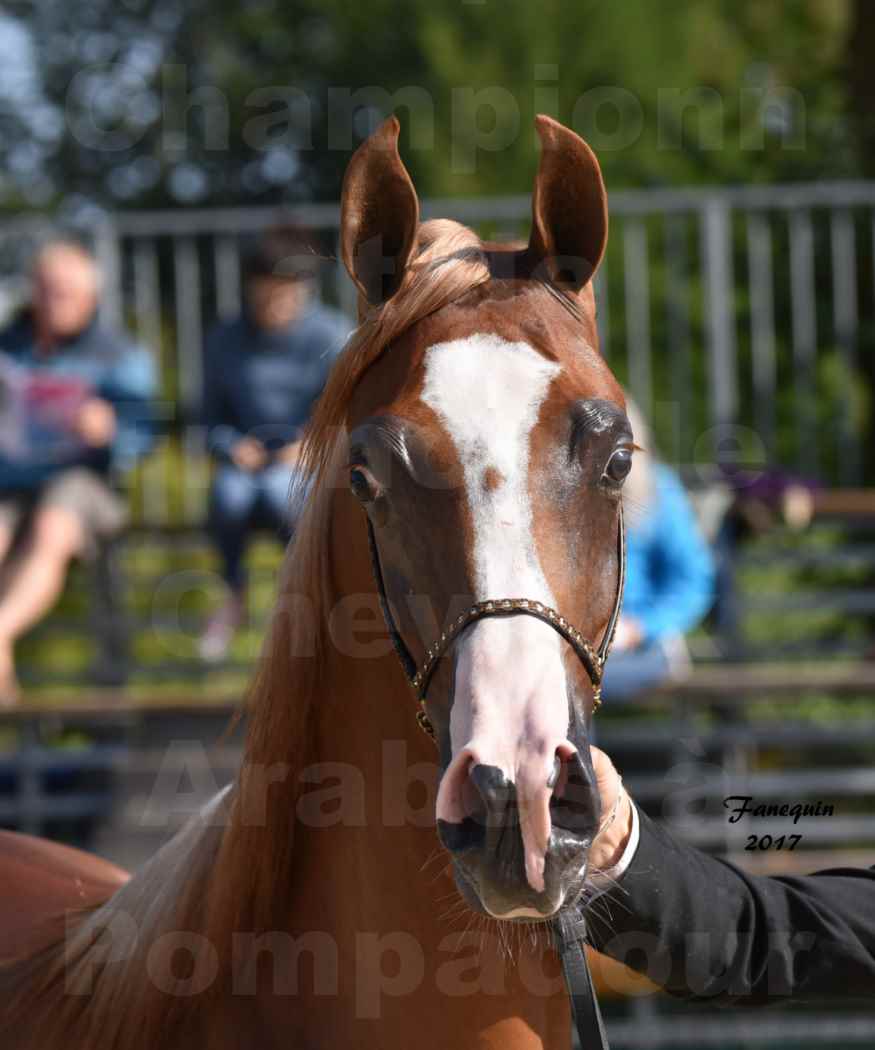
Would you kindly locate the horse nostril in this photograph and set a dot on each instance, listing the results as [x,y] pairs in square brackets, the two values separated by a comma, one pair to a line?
[461,807]
[478,798]
[575,801]
[558,780]
[496,793]
[457,838]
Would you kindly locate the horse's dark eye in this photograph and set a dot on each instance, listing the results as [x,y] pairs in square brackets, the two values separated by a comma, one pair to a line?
[619,466]
[360,485]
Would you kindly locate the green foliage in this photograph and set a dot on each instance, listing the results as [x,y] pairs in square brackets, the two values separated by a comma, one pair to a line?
[791,570]
[679,93]
[264,101]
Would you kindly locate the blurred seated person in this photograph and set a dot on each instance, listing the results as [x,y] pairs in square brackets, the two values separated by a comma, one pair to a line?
[669,575]
[76,399]
[263,372]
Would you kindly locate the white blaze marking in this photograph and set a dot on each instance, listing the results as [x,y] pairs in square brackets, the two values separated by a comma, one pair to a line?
[488,393]
[511,707]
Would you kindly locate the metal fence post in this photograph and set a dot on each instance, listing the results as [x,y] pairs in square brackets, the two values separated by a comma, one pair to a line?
[720,313]
[804,324]
[844,282]
[637,275]
[762,328]
[189,323]
[107,248]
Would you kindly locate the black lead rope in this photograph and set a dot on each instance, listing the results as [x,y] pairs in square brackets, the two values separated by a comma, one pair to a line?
[585,1012]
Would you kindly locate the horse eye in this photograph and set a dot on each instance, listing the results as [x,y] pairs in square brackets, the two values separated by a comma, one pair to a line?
[360,484]
[619,466]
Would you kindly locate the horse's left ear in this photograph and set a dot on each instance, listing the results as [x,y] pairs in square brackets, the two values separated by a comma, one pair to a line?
[569,208]
[379,215]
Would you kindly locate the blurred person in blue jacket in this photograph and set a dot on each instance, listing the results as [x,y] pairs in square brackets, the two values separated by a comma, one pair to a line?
[263,372]
[76,398]
[669,575]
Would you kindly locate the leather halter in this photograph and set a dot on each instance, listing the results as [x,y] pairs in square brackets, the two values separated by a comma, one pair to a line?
[419,676]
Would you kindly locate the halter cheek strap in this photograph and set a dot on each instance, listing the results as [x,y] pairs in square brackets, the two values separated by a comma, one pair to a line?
[419,675]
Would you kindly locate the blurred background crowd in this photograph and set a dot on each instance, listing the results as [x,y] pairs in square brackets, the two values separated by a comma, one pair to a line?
[171,303]
[78,412]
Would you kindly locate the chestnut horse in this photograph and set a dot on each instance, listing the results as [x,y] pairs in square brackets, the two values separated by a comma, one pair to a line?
[473,433]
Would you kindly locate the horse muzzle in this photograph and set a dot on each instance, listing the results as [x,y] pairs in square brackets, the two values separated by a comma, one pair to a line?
[520,854]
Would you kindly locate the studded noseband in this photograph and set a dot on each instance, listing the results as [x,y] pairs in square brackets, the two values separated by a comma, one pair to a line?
[419,675]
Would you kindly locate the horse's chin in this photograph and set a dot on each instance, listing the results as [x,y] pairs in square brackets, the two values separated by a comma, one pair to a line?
[525,914]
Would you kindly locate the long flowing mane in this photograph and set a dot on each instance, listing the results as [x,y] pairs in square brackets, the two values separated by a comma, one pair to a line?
[205,881]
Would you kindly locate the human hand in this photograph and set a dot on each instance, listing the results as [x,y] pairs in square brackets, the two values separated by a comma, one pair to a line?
[249,454]
[628,634]
[95,422]
[611,841]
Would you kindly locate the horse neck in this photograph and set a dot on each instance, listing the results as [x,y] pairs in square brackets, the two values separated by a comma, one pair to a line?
[367,751]
[339,729]
[368,868]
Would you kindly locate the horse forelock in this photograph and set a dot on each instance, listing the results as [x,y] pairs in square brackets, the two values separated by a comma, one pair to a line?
[451,260]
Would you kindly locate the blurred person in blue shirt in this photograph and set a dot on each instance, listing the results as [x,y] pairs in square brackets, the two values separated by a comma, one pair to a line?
[669,575]
[263,372]
[76,407]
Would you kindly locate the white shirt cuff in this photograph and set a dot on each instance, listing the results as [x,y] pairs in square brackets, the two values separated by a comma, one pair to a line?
[601,881]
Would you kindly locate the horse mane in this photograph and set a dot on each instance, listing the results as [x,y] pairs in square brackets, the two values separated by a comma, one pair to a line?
[207,881]
[450,261]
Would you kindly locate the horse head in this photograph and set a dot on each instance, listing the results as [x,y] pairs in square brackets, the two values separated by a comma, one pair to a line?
[488,446]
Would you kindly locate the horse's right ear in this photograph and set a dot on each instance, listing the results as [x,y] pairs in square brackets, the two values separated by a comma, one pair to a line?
[379,216]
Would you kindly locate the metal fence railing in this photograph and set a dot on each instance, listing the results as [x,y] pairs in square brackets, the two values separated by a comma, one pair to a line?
[748,308]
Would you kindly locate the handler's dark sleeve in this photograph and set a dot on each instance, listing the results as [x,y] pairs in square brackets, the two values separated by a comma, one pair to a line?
[705,930]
